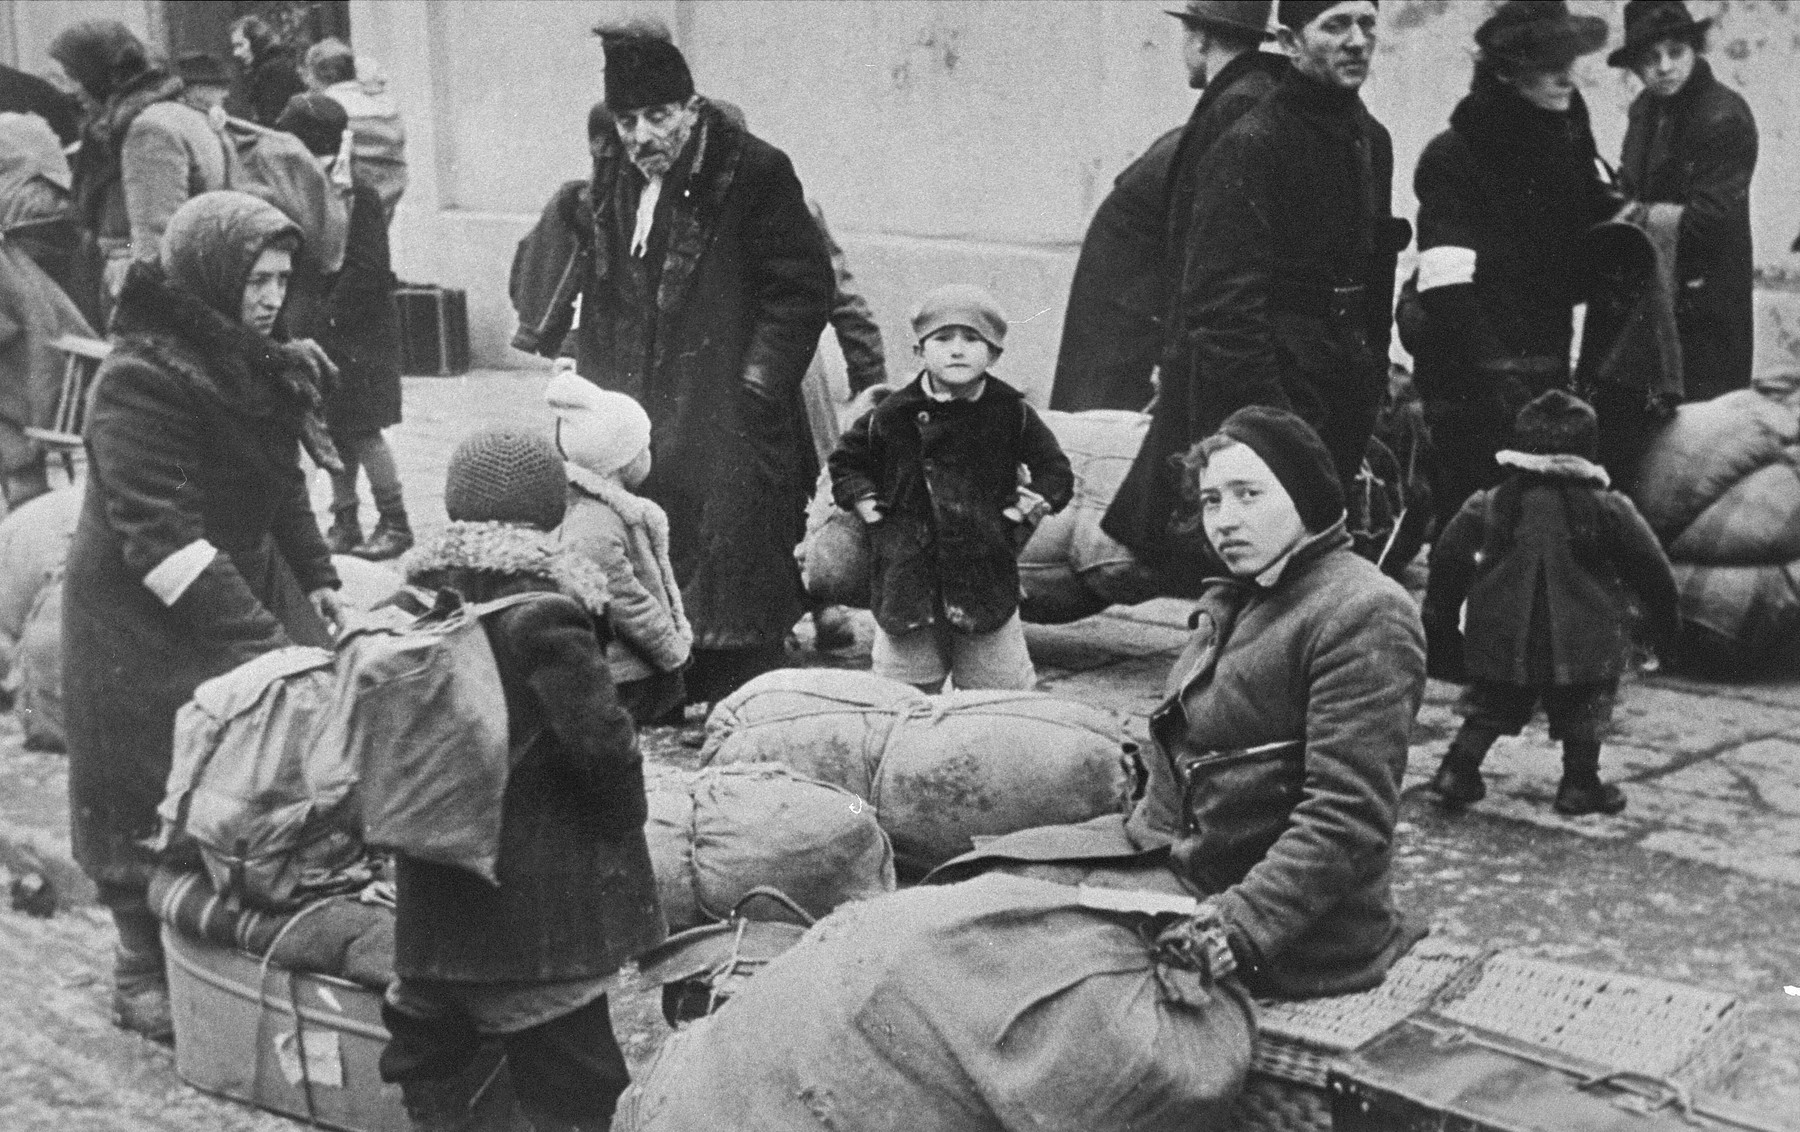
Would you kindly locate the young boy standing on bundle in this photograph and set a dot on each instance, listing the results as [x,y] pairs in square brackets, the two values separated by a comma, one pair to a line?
[605,438]
[1544,561]
[934,471]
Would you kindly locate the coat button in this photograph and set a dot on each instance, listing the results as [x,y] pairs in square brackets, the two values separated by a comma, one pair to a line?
[924,417]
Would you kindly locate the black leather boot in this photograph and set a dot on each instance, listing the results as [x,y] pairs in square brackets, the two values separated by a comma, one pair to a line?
[391,538]
[1581,791]
[345,533]
[1457,782]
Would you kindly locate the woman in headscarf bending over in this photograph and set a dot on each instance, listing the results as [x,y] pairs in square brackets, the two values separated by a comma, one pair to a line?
[196,549]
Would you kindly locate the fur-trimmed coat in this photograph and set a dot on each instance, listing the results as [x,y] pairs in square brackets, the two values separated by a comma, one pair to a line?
[711,332]
[577,897]
[193,446]
[627,537]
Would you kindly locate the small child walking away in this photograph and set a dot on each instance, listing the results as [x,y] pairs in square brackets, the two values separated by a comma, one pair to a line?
[1544,561]
[605,439]
[934,471]
[529,961]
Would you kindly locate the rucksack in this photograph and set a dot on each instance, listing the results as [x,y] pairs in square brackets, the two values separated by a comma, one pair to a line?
[276,166]
[288,768]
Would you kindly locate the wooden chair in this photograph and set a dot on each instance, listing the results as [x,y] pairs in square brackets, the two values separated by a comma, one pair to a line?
[81,359]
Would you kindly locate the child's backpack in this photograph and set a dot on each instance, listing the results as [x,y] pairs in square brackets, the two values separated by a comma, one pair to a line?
[289,767]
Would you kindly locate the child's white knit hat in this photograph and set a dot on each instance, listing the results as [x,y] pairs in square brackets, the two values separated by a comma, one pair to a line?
[596,428]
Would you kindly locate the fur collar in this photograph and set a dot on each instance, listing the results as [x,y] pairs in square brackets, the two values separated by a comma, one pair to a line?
[505,550]
[1561,466]
[249,372]
[646,516]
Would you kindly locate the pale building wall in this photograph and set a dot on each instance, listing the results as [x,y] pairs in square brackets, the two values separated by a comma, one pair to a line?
[946,139]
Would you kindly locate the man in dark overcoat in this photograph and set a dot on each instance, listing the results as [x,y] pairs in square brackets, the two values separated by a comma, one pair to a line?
[1287,288]
[704,285]
[1117,324]
[1692,142]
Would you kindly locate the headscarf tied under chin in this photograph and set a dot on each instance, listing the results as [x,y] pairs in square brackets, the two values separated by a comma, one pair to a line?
[208,249]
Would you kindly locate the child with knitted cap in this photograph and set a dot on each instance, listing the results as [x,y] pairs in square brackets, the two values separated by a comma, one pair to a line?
[604,437]
[936,471]
[1544,561]
[528,961]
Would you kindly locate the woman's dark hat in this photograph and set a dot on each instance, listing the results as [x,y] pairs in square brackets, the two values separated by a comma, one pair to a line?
[1647,21]
[1557,424]
[318,120]
[1250,16]
[641,71]
[1539,34]
[1298,458]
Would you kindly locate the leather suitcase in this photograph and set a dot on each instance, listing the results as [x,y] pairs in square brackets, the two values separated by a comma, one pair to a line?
[434,330]
[1430,1073]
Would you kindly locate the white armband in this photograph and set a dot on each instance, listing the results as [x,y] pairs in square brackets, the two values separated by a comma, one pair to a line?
[1446,267]
[174,574]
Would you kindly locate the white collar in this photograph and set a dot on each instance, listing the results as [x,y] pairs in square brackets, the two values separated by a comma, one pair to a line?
[1561,465]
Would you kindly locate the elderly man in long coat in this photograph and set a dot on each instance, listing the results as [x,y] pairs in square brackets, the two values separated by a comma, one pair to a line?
[1286,296]
[1117,325]
[704,286]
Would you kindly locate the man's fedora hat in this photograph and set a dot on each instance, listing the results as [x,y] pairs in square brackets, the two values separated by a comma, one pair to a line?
[1239,15]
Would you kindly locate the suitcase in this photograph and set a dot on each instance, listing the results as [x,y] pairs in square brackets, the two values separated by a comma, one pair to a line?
[1431,1073]
[302,1045]
[434,330]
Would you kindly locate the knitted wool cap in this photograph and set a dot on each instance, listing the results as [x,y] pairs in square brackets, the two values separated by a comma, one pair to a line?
[596,428]
[1557,423]
[505,475]
[960,304]
[1298,458]
[1296,14]
[641,72]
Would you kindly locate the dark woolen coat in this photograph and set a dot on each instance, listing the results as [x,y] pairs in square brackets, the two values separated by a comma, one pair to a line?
[1546,579]
[712,332]
[1698,149]
[1113,326]
[1293,201]
[577,897]
[260,92]
[1279,751]
[1518,186]
[189,437]
[943,471]
[353,316]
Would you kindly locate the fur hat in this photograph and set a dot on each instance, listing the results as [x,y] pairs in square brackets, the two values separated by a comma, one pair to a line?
[1647,21]
[506,475]
[1298,458]
[960,304]
[596,428]
[1539,34]
[642,71]
[1296,14]
[1557,423]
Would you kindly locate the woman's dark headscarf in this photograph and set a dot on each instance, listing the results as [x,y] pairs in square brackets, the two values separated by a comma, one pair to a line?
[214,240]
[101,55]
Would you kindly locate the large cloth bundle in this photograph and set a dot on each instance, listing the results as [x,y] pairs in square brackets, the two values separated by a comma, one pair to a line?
[34,542]
[996,1005]
[1720,485]
[1070,569]
[717,834]
[940,771]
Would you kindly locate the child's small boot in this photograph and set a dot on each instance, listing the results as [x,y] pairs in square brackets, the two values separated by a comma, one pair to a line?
[1581,791]
[391,537]
[1457,782]
[345,534]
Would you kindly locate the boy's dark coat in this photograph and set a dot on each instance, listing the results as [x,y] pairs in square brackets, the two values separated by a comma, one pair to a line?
[943,471]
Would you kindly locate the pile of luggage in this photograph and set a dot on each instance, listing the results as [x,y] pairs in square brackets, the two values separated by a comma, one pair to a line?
[1720,485]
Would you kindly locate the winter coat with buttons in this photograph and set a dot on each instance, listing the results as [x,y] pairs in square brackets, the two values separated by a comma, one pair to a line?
[943,472]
